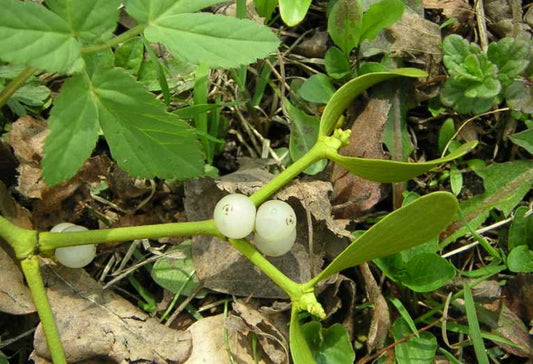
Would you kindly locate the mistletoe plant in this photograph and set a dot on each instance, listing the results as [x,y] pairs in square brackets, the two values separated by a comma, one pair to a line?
[409,226]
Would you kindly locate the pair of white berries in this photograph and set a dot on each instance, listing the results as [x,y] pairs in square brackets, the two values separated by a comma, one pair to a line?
[275,223]
[73,256]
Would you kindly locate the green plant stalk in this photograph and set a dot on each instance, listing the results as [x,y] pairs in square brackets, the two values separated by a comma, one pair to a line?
[479,238]
[23,241]
[50,241]
[201,83]
[15,84]
[293,289]
[136,30]
[30,268]
[315,154]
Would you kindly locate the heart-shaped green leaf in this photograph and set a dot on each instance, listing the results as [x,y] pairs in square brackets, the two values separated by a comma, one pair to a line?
[387,171]
[347,93]
[300,352]
[404,228]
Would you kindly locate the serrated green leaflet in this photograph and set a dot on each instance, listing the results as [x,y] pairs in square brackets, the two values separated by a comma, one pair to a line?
[144,139]
[293,11]
[88,20]
[73,128]
[34,36]
[404,228]
[214,40]
[347,93]
[145,11]
[380,170]
[300,352]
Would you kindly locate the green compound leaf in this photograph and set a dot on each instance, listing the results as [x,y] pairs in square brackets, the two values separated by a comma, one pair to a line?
[344,24]
[416,350]
[214,40]
[331,345]
[453,95]
[317,88]
[387,171]
[88,20]
[145,11]
[300,352]
[144,139]
[73,128]
[304,133]
[293,11]
[344,96]
[402,229]
[34,36]
[380,16]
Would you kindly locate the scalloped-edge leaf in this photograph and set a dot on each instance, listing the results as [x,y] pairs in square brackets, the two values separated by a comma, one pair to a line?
[293,11]
[344,96]
[300,352]
[402,229]
[388,171]
[145,11]
[214,40]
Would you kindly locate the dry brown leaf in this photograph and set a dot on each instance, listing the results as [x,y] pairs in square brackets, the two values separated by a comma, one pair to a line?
[15,297]
[208,344]
[459,9]
[337,295]
[98,323]
[415,36]
[8,164]
[272,341]
[381,322]
[353,196]
[27,140]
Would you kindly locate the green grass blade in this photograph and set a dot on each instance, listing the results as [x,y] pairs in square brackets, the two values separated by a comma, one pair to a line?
[405,315]
[402,229]
[162,78]
[344,96]
[388,171]
[473,324]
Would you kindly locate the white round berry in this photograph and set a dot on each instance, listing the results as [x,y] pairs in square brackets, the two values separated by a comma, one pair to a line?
[74,256]
[275,248]
[235,216]
[275,220]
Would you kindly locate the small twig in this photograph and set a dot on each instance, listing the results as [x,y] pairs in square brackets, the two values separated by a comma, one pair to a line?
[481,25]
[183,305]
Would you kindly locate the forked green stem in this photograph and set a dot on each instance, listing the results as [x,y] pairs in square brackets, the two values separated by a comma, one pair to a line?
[30,267]
[115,41]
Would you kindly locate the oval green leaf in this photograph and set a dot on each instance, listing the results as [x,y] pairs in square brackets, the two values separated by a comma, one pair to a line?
[300,352]
[347,93]
[293,11]
[388,171]
[402,229]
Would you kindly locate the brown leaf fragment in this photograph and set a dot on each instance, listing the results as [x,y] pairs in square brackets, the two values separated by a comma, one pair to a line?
[381,322]
[208,343]
[459,9]
[314,46]
[15,297]
[272,341]
[8,164]
[12,211]
[97,323]
[512,328]
[353,196]
[66,201]
[27,140]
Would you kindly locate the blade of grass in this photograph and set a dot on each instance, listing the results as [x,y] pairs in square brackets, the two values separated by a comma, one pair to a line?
[405,315]
[473,324]
[159,69]
[201,82]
